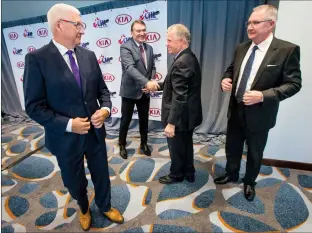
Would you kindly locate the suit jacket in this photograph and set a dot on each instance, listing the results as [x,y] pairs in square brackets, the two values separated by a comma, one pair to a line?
[52,95]
[134,73]
[278,78]
[181,102]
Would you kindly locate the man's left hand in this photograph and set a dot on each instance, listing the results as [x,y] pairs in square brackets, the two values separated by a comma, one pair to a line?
[97,119]
[252,97]
[169,130]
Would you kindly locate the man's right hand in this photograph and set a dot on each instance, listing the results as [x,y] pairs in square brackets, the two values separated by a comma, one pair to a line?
[152,85]
[226,84]
[80,125]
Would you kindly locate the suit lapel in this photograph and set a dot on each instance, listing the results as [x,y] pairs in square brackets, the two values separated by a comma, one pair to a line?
[63,67]
[82,63]
[137,50]
[148,52]
[265,61]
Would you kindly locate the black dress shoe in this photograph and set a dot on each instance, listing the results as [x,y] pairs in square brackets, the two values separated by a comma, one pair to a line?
[169,180]
[123,152]
[249,192]
[190,179]
[145,149]
[225,179]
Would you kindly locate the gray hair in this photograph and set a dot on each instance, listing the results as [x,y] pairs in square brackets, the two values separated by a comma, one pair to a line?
[269,10]
[181,32]
[59,11]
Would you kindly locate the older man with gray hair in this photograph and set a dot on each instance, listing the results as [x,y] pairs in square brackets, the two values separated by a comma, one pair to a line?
[63,85]
[181,108]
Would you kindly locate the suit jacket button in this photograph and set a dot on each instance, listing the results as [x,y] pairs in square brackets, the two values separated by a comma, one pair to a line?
[85,103]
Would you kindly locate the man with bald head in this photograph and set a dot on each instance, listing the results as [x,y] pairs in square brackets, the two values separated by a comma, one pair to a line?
[265,71]
[65,92]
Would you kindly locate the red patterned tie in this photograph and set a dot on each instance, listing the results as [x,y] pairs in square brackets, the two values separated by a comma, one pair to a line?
[142,53]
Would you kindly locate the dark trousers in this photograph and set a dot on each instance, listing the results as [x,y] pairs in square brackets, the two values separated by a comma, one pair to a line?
[181,154]
[237,134]
[73,172]
[127,107]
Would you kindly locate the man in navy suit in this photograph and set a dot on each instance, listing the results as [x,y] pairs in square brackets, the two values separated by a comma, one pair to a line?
[62,85]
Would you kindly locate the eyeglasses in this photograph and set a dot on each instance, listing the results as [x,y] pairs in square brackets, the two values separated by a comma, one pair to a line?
[78,25]
[254,23]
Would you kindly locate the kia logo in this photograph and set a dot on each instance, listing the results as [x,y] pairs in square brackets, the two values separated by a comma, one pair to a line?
[155,112]
[123,19]
[42,32]
[108,77]
[13,35]
[31,48]
[114,110]
[152,37]
[20,65]
[103,42]
[158,76]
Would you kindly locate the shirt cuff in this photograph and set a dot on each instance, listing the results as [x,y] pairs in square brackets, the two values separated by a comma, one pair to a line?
[106,108]
[69,125]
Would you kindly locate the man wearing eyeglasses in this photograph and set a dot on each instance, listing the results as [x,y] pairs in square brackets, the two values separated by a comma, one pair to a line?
[264,72]
[62,86]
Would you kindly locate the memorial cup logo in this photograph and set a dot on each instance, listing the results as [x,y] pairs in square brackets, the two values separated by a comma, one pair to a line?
[103,42]
[114,110]
[13,35]
[104,60]
[17,51]
[85,45]
[152,37]
[108,77]
[100,23]
[20,65]
[149,15]
[42,32]
[155,112]
[123,39]
[123,19]
[28,34]
[158,76]
[31,48]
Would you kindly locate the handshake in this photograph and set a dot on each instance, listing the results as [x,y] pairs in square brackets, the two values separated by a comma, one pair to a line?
[151,86]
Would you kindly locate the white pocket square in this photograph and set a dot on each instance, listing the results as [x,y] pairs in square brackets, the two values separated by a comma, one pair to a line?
[271,65]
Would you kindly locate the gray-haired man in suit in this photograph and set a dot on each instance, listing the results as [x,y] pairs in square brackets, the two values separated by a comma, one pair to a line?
[138,68]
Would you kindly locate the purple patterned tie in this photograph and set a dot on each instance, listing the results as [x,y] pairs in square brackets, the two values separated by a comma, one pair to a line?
[74,67]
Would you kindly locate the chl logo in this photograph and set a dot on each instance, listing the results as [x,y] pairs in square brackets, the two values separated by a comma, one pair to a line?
[31,48]
[123,39]
[100,23]
[103,42]
[114,110]
[149,15]
[105,60]
[85,45]
[135,112]
[28,34]
[13,36]
[20,65]
[158,76]
[108,77]
[156,95]
[156,57]
[112,94]
[155,112]
[123,19]
[17,51]
[152,37]
[42,32]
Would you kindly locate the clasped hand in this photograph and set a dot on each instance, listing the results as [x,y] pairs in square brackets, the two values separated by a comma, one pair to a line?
[151,86]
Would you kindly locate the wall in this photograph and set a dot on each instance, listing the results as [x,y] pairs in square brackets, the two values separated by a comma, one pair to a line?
[290,139]
[14,10]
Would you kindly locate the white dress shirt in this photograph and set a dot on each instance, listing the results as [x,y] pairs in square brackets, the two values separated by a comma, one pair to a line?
[62,49]
[145,63]
[259,55]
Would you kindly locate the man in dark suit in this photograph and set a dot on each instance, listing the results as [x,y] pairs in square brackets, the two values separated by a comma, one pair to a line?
[181,109]
[264,72]
[62,84]
[138,68]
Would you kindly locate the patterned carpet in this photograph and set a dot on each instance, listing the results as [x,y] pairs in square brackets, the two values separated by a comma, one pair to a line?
[34,199]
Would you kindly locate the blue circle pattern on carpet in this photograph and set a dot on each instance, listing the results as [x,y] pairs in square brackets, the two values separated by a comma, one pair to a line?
[18,206]
[305,181]
[18,148]
[162,228]
[6,139]
[30,130]
[28,188]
